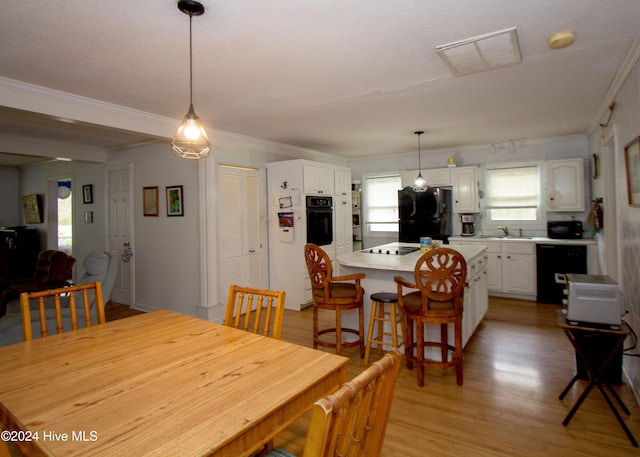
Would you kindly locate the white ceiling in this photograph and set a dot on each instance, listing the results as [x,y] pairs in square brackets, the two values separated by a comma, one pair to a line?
[352,78]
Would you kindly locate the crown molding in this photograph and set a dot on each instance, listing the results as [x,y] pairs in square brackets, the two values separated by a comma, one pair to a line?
[66,106]
[71,107]
[625,69]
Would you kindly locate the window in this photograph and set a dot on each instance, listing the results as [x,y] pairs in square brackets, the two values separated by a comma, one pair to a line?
[512,194]
[381,203]
[65,217]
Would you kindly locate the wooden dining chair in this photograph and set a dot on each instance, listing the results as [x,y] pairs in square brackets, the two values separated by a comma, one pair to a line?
[255,310]
[440,278]
[353,420]
[59,307]
[335,293]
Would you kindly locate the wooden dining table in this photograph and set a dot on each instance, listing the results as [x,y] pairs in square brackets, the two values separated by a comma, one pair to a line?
[158,384]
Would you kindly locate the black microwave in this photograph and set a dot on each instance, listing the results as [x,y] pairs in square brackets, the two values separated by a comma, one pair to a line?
[564,230]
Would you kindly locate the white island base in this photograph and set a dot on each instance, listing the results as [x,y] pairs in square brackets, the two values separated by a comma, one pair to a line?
[380,268]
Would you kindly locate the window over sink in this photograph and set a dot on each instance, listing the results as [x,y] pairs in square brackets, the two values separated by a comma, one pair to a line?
[513,195]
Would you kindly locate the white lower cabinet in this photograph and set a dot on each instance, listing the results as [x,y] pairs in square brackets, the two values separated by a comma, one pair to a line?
[519,269]
[476,302]
[510,267]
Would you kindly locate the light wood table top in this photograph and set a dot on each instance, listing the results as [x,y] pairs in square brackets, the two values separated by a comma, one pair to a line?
[161,384]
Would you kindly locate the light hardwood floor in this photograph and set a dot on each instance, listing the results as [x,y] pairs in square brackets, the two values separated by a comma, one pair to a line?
[515,366]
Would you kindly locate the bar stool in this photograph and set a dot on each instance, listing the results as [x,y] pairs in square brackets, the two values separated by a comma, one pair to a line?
[380,315]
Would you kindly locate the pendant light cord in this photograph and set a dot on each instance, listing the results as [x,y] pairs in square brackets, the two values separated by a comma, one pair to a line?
[419,162]
[190,61]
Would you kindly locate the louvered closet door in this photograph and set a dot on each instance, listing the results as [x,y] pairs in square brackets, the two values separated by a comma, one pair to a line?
[240,230]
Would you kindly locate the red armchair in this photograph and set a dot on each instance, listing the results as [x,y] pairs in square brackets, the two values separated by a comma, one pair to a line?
[53,269]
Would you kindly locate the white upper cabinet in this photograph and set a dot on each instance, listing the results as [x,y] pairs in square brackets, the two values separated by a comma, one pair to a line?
[435,177]
[342,181]
[317,179]
[465,189]
[565,185]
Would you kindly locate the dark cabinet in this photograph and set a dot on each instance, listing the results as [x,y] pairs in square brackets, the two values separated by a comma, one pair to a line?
[19,248]
[554,261]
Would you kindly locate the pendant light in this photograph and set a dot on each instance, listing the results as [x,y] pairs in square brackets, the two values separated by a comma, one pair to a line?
[190,141]
[420,185]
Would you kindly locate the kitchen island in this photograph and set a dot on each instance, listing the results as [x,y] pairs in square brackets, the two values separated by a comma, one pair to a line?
[382,263]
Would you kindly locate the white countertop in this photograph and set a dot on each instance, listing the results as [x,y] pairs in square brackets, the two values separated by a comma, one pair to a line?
[366,259]
[513,239]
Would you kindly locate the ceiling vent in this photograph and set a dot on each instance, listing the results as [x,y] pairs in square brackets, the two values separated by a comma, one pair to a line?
[482,53]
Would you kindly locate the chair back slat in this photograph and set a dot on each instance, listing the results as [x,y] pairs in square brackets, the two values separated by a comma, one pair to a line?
[258,311]
[352,422]
[68,294]
[319,267]
[441,275]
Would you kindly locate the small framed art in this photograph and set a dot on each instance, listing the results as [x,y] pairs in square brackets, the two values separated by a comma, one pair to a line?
[87,193]
[632,161]
[175,205]
[32,209]
[150,201]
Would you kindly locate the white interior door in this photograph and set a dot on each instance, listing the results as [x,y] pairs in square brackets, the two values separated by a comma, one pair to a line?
[241,229]
[119,233]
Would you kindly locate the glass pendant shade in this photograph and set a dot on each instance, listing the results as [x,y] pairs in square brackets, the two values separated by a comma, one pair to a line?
[191,141]
[420,185]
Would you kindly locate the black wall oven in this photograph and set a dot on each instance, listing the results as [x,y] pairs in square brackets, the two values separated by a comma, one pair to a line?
[319,220]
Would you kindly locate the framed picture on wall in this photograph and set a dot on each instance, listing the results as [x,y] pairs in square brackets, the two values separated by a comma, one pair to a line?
[32,209]
[150,201]
[87,193]
[175,206]
[632,160]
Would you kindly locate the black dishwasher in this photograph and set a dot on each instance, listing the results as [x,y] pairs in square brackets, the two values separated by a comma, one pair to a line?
[554,261]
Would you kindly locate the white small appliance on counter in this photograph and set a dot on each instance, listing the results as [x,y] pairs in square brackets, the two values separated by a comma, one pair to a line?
[594,299]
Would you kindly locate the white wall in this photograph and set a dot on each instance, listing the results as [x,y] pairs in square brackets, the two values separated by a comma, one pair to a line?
[10,203]
[525,150]
[625,126]
[570,146]
[87,237]
[166,249]
[176,257]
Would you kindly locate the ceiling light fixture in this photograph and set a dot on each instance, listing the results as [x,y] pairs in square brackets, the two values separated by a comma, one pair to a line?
[191,141]
[420,185]
[562,39]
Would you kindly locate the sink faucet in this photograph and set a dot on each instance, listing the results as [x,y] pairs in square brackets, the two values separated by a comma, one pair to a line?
[505,230]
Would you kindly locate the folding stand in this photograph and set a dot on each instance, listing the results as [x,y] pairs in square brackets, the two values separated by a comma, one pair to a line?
[596,373]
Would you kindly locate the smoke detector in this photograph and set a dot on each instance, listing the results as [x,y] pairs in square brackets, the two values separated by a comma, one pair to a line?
[562,39]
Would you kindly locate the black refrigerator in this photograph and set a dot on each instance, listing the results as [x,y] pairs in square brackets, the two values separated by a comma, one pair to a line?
[424,214]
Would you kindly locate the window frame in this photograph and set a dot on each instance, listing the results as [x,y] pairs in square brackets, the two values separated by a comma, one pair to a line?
[540,223]
[365,207]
